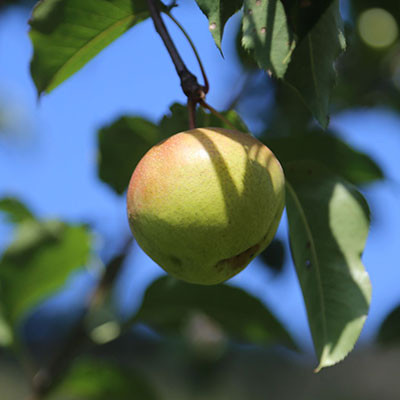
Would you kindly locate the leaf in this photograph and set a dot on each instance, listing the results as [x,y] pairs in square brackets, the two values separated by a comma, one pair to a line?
[96,379]
[121,146]
[178,120]
[168,304]
[6,336]
[218,12]
[273,256]
[311,71]
[14,210]
[267,34]
[389,332]
[123,143]
[305,14]
[38,262]
[328,149]
[66,34]
[328,226]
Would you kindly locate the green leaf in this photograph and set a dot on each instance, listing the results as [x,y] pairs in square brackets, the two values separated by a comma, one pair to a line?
[273,256]
[6,334]
[123,143]
[168,304]
[66,34]
[267,34]
[389,332]
[343,160]
[178,120]
[218,12]
[121,146]
[96,379]
[328,225]
[38,262]
[311,71]
[14,210]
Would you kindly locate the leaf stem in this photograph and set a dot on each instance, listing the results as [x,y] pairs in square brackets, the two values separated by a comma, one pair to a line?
[217,114]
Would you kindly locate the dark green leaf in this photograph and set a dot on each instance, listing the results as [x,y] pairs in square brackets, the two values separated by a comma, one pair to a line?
[218,12]
[328,225]
[178,120]
[267,34]
[66,34]
[274,256]
[389,332]
[14,210]
[303,15]
[168,304]
[125,141]
[95,379]
[121,146]
[311,71]
[38,262]
[343,160]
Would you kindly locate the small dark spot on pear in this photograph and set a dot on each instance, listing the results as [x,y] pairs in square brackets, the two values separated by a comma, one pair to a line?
[241,259]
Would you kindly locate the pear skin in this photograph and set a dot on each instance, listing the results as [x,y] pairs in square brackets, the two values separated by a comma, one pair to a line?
[204,202]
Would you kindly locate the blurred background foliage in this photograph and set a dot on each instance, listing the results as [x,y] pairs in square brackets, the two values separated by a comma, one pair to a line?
[185,342]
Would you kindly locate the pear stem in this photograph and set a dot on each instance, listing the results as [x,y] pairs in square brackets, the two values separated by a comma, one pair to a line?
[192,113]
[217,114]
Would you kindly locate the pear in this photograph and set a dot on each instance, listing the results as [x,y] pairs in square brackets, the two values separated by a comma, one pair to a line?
[203,203]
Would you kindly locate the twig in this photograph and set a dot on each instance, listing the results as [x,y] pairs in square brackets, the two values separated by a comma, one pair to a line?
[189,84]
[47,377]
[206,86]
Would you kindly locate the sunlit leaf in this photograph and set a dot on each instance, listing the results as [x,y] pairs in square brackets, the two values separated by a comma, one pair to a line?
[38,262]
[6,335]
[66,34]
[267,34]
[14,210]
[328,149]
[168,304]
[328,225]
[218,12]
[311,71]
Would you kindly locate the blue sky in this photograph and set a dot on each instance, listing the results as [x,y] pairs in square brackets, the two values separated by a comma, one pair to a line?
[48,156]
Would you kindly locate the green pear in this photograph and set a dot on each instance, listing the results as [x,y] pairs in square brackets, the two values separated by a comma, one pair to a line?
[203,203]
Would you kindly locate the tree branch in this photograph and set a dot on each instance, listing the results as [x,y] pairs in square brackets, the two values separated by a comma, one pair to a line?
[190,86]
[47,377]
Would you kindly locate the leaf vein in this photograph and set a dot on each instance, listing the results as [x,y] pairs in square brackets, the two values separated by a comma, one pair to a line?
[314,255]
